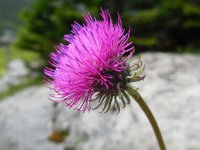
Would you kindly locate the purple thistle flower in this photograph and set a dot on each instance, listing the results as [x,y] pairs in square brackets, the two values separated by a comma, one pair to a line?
[93,65]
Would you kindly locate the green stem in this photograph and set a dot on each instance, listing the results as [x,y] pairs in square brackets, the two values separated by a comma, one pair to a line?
[149,115]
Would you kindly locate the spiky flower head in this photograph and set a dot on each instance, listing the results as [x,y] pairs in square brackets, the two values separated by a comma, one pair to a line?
[93,65]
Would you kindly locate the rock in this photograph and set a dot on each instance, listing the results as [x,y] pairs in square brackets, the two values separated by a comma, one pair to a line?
[16,73]
[171,89]
[17,69]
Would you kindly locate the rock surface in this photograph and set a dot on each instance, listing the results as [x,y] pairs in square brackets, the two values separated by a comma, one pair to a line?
[171,89]
[16,73]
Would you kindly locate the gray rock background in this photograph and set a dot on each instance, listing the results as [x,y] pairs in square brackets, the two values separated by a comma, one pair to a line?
[16,73]
[171,89]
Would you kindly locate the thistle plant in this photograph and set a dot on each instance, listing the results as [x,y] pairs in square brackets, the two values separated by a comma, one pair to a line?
[94,68]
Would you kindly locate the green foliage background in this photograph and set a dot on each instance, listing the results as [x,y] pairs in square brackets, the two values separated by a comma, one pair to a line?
[156,25]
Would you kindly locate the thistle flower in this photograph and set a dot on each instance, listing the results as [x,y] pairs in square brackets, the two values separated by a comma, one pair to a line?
[93,66]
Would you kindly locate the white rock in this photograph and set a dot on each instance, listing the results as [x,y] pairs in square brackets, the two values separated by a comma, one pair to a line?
[17,71]
[171,89]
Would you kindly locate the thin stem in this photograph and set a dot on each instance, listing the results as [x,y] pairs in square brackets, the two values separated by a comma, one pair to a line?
[149,115]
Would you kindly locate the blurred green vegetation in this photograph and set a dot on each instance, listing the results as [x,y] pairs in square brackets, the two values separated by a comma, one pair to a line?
[167,26]
[156,25]
[47,21]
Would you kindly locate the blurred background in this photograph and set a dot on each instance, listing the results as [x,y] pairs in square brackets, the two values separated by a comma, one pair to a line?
[30,30]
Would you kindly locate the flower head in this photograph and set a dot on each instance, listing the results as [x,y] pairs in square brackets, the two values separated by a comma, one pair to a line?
[93,65]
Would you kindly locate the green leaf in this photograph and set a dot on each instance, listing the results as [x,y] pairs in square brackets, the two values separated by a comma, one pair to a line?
[109,104]
[126,96]
[117,104]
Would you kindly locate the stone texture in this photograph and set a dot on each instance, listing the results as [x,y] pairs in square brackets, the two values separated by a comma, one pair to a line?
[171,89]
[15,74]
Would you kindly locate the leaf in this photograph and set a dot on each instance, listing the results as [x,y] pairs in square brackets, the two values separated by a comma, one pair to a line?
[126,96]
[100,102]
[106,103]
[117,105]
[109,104]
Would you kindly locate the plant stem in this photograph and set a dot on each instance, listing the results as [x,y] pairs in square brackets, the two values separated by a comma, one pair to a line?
[149,115]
